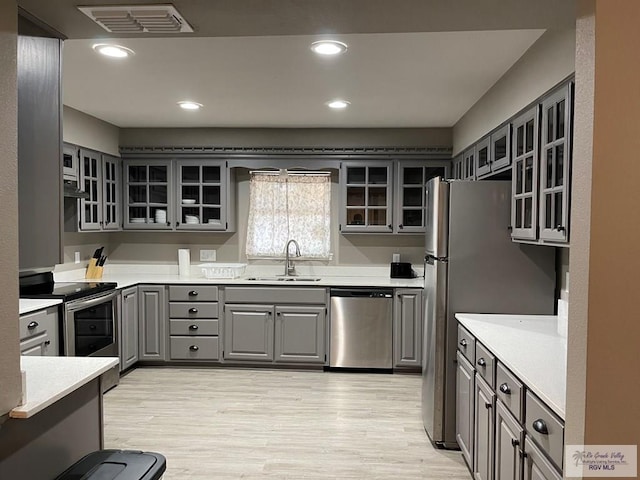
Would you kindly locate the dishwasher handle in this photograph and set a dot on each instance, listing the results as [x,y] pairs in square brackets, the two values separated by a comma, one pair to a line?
[362,293]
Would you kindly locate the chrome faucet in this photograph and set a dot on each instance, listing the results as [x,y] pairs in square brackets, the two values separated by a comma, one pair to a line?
[289,267]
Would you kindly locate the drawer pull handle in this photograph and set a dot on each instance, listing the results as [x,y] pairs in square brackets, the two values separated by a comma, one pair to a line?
[193,310]
[463,343]
[32,325]
[488,405]
[482,362]
[504,388]
[193,293]
[515,442]
[92,327]
[193,327]
[194,348]
[540,427]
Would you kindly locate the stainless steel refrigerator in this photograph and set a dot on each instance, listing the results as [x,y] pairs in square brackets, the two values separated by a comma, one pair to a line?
[471,266]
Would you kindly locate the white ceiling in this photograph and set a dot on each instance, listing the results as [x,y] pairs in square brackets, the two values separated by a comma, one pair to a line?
[427,79]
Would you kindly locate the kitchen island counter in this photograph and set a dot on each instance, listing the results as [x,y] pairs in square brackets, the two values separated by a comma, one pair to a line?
[528,345]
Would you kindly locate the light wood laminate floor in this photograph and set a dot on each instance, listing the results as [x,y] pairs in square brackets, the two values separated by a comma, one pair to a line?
[239,423]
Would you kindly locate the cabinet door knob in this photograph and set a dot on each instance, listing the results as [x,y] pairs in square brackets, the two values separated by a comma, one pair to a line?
[48,342]
[278,313]
[390,227]
[504,388]
[560,228]
[194,348]
[463,343]
[488,405]
[482,362]
[92,327]
[400,226]
[32,325]
[193,293]
[515,442]
[193,310]
[193,327]
[540,426]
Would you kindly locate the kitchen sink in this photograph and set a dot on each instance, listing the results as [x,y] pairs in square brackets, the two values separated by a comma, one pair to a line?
[284,279]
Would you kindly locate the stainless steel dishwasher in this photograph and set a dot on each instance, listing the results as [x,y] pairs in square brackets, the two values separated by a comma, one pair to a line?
[361,328]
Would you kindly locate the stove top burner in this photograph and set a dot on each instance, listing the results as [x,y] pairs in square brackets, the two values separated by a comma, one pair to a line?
[43,286]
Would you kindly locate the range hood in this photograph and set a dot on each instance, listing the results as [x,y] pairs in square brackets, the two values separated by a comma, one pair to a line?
[70,190]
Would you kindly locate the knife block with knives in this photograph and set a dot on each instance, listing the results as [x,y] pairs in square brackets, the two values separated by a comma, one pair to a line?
[96,265]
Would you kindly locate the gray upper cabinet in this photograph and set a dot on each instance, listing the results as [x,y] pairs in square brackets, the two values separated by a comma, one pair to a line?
[201,195]
[148,194]
[555,165]
[409,195]
[248,332]
[469,164]
[483,157]
[39,152]
[366,189]
[90,181]
[525,175]
[152,320]
[457,165]
[500,149]
[111,193]
[128,327]
[407,328]
[300,334]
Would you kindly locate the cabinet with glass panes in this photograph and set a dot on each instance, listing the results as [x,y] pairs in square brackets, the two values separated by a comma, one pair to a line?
[148,194]
[409,199]
[367,196]
[201,195]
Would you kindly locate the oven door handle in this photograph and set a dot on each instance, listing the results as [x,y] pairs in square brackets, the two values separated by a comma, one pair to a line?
[89,302]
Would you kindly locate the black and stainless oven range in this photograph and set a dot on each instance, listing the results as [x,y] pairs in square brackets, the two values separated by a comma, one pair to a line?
[89,326]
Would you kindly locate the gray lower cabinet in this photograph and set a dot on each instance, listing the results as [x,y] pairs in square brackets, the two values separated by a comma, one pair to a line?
[128,327]
[536,465]
[300,334]
[152,321]
[39,333]
[465,407]
[407,328]
[483,450]
[248,332]
[508,445]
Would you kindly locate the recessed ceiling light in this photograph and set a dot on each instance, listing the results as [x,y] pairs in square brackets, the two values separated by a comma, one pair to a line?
[189,105]
[116,51]
[338,104]
[328,47]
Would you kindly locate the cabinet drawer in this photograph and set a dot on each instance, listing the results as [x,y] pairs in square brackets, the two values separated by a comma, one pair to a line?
[545,428]
[38,322]
[193,327]
[193,310]
[194,348]
[275,295]
[485,364]
[193,293]
[509,390]
[466,344]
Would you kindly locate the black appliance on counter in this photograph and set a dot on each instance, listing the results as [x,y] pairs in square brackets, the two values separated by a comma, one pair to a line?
[89,326]
[402,270]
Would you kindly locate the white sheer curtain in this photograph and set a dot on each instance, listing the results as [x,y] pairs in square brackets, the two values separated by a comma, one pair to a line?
[289,207]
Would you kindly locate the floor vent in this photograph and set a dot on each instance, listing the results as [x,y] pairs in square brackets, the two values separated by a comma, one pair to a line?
[138,18]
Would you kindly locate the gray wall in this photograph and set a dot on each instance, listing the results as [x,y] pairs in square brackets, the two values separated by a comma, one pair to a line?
[546,63]
[90,132]
[10,380]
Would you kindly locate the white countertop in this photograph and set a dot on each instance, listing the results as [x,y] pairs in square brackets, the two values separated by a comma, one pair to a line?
[28,305]
[51,378]
[129,275]
[530,346]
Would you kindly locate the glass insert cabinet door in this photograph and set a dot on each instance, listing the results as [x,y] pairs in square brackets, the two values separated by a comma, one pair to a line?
[148,195]
[554,169]
[201,195]
[525,175]
[410,195]
[90,182]
[111,175]
[366,193]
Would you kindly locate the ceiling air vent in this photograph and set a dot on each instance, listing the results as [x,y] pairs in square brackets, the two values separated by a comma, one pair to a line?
[138,18]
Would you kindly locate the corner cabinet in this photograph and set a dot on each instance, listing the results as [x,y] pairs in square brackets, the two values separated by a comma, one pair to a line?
[367,194]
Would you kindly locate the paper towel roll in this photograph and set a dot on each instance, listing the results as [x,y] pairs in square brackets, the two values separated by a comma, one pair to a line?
[184,262]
